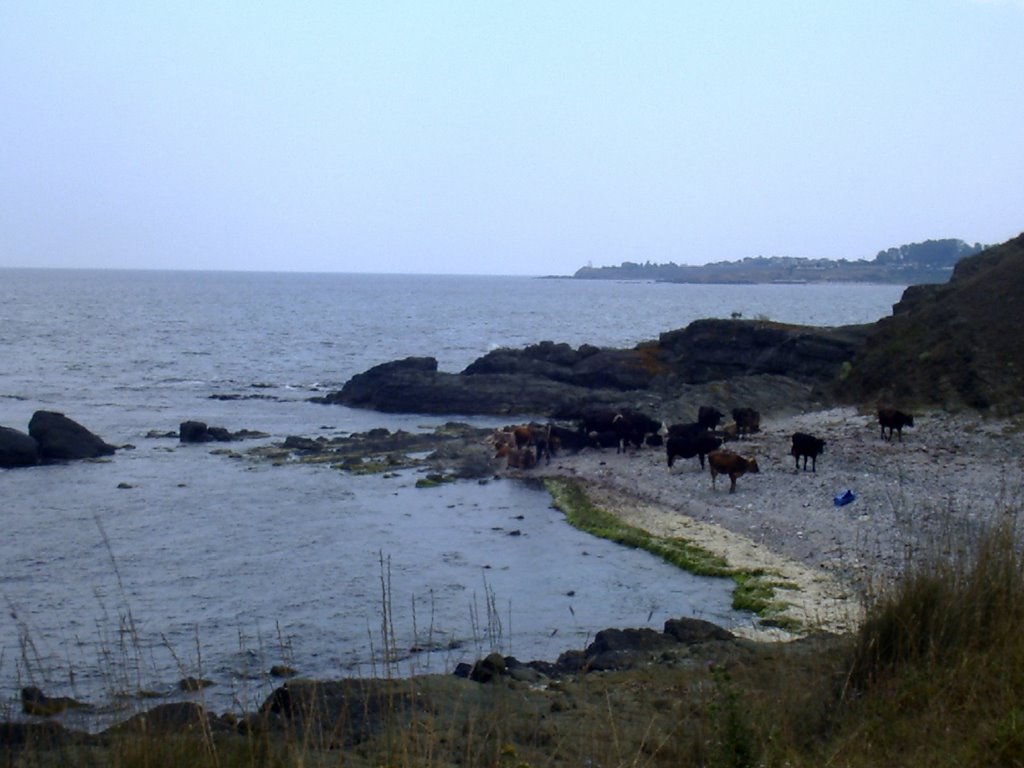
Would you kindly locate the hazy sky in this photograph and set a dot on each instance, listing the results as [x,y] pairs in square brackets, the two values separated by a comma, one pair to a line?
[505,138]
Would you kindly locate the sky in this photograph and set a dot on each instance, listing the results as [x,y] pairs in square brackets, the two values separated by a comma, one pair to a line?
[510,138]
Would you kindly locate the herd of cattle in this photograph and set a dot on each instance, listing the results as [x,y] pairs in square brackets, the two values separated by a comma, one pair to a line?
[524,446]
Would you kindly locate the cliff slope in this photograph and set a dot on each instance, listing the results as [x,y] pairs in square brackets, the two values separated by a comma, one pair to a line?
[953,346]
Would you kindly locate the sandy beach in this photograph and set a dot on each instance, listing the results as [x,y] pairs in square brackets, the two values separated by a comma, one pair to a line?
[928,495]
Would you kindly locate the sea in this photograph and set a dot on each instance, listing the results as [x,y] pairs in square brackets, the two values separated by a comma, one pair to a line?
[123,577]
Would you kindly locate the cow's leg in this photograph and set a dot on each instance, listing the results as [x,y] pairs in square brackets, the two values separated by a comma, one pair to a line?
[732,483]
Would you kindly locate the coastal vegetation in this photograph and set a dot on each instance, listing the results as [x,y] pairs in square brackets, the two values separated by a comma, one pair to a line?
[755,589]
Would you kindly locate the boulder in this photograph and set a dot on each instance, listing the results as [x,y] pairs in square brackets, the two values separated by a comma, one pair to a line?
[60,438]
[693,631]
[17,449]
[199,432]
[489,668]
[194,432]
[339,712]
[35,702]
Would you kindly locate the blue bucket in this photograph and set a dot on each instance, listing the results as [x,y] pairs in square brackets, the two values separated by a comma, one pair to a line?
[844,497]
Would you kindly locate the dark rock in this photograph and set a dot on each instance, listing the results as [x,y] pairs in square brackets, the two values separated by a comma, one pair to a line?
[194,432]
[35,702]
[714,350]
[194,683]
[17,449]
[487,669]
[338,713]
[199,432]
[282,670]
[296,443]
[60,438]
[692,631]
[220,434]
[414,385]
[644,639]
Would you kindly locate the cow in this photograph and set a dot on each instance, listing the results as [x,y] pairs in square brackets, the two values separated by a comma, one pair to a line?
[731,464]
[688,446]
[686,429]
[807,446]
[599,420]
[890,418]
[747,421]
[634,427]
[570,439]
[608,438]
[708,417]
[536,435]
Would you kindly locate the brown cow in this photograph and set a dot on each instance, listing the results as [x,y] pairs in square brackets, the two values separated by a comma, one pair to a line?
[521,459]
[537,436]
[731,464]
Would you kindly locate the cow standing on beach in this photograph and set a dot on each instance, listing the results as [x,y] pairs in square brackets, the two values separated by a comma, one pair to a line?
[890,418]
[731,464]
[807,446]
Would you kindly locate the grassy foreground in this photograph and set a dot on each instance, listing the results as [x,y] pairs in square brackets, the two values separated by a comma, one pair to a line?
[934,677]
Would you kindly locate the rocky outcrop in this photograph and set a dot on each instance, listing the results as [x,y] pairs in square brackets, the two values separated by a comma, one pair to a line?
[715,350]
[556,380]
[60,438]
[414,385]
[17,449]
[953,346]
[199,432]
[612,649]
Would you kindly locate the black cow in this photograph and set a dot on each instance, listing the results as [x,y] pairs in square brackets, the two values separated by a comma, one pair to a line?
[599,420]
[807,446]
[747,421]
[569,439]
[607,438]
[688,429]
[688,446]
[635,426]
[890,418]
[708,417]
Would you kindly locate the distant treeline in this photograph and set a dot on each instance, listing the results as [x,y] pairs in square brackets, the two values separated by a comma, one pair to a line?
[929,262]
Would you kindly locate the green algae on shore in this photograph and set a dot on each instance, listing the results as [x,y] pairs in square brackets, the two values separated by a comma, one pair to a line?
[755,589]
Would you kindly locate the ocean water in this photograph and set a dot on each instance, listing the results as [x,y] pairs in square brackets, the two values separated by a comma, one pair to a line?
[216,567]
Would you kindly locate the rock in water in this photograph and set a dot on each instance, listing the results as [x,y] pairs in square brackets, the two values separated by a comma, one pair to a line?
[60,438]
[17,449]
